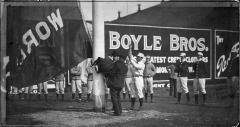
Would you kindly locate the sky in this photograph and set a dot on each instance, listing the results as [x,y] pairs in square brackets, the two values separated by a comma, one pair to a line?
[111,8]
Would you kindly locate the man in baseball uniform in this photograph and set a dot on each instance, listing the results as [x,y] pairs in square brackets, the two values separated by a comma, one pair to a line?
[148,74]
[128,80]
[76,82]
[28,91]
[59,85]
[182,70]
[90,70]
[45,90]
[137,88]
[172,80]
[199,80]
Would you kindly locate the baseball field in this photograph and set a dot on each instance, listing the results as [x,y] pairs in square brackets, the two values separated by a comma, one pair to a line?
[221,110]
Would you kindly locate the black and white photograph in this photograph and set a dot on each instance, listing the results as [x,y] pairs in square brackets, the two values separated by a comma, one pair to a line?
[119,63]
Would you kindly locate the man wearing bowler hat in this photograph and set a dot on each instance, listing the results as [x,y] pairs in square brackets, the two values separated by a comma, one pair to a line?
[182,70]
[116,81]
[199,80]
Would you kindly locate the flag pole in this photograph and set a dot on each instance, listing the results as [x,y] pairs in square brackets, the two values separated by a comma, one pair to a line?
[98,51]
[3,13]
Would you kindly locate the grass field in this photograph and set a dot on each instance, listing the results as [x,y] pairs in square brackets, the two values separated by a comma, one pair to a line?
[220,111]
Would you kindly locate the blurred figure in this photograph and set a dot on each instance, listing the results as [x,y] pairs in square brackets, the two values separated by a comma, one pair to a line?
[28,91]
[149,72]
[59,85]
[172,80]
[199,80]
[90,70]
[128,80]
[42,86]
[76,82]
[182,70]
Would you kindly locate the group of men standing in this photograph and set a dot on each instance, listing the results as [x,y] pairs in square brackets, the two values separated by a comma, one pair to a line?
[179,78]
[134,76]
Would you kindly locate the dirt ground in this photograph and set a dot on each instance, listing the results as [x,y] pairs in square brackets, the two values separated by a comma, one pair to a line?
[220,111]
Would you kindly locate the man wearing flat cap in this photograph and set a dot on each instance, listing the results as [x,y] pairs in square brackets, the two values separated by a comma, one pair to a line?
[199,80]
[182,70]
[138,85]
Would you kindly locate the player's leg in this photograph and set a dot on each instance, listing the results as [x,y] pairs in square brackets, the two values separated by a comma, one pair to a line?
[133,93]
[195,89]
[140,87]
[45,89]
[57,85]
[150,82]
[170,86]
[39,91]
[128,82]
[90,88]
[179,90]
[124,91]
[79,88]
[185,87]
[174,87]
[73,83]
[145,80]
[61,89]
[202,82]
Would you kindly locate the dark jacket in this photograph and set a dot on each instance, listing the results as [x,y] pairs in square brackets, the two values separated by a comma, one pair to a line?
[199,69]
[117,75]
[182,69]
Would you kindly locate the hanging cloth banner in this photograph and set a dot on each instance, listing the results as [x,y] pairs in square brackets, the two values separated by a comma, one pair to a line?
[44,41]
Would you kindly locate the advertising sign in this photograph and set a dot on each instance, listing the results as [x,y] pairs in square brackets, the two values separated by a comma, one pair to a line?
[226,49]
[163,44]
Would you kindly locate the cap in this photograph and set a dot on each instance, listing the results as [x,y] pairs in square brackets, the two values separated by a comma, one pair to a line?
[140,55]
[200,53]
[182,54]
[115,53]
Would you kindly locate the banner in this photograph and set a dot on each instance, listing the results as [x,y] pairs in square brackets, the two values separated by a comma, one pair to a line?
[44,41]
[163,44]
[226,49]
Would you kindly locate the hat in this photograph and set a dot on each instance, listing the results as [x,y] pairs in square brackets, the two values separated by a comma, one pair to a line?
[200,53]
[140,55]
[115,53]
[148,57]
[182,54]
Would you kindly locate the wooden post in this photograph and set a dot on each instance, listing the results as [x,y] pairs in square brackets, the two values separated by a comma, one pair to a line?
[3,13]
[98,51]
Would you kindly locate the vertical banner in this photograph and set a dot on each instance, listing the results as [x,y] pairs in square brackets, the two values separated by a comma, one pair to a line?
[226,49]
[44,41]
[163,44]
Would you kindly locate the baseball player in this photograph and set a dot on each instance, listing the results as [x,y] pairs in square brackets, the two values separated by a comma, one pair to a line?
[199,80]
[172,80]
[148,74]
[90,70]
[45,90]
[28,91]
[128,80]
[59,85]
[182,70]
[76,82]
[137,87]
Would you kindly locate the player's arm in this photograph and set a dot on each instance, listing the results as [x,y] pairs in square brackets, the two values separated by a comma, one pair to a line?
[153,70]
